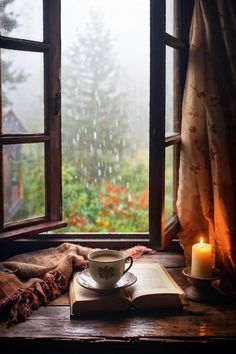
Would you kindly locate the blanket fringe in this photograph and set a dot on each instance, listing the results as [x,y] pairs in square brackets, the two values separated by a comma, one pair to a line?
[39,293]
[137,251]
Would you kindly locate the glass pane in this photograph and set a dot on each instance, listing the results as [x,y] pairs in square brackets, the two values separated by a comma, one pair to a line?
[23,179]
[170,23]
[23,92]
[169,180]
[105,106]
[170,90]
[22,19]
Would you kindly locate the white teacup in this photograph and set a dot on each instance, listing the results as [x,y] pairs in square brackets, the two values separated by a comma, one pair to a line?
[108,266]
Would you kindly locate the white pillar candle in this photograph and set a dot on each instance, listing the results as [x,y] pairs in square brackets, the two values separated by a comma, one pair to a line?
[201,260]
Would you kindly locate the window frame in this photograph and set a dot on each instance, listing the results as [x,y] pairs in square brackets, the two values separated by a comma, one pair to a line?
[50,47]
[160,236]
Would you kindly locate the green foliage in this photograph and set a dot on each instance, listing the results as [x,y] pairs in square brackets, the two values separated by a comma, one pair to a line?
[32,174]
[134,175]
[103,207]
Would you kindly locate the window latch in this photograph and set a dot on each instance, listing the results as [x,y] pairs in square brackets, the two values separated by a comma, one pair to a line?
[58,103]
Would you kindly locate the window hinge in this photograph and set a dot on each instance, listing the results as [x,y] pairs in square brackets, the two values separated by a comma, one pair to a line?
[58,103]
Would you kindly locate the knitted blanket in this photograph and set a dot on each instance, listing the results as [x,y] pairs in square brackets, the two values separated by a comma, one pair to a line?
[32,279]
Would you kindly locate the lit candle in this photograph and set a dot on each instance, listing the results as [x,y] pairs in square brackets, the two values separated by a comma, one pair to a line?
[201,260]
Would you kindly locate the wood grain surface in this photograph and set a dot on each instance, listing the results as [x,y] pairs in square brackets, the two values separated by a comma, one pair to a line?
[50,329]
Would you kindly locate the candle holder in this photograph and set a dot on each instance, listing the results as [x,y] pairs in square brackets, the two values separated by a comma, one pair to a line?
[201,289]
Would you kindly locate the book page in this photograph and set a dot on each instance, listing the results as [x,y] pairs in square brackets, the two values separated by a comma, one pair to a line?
[152,278]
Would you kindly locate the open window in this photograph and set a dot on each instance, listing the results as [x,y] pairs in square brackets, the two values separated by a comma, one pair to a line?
[120,143]
[30,178]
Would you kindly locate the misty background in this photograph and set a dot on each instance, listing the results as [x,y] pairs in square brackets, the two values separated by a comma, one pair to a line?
[105,81]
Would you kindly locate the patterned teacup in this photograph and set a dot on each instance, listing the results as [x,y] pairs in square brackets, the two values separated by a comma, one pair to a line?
[108,266]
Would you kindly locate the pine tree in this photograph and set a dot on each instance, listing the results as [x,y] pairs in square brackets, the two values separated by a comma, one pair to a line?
[7,20]
[10,78]
[94,118]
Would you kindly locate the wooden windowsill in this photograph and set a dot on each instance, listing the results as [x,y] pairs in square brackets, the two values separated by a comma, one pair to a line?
[50,329]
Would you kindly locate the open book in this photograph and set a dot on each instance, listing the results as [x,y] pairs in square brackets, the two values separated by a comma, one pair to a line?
[154,289]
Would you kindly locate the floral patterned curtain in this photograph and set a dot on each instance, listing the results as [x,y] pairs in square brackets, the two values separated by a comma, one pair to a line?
[206,200]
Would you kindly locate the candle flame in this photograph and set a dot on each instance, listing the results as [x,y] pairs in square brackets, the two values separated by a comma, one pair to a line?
[201,241]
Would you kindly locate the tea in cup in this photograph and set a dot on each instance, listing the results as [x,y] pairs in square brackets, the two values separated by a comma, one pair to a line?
[108,266]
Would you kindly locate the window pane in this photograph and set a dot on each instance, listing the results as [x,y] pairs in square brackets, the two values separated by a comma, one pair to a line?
[23,179]
[169,187]
[171,106]
[23,92]
[22,19]
[170,25]
[105,96]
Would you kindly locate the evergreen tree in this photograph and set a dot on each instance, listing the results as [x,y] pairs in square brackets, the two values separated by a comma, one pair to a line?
[9,77]
[94,118]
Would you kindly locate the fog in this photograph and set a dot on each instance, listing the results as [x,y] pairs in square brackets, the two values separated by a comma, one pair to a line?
[128,22]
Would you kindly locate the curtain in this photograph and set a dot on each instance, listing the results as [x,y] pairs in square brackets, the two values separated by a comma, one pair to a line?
[206,201]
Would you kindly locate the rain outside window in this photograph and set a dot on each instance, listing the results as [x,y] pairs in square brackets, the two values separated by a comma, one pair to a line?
[105,115]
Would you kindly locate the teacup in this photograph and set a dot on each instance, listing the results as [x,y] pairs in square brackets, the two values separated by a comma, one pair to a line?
[108,266]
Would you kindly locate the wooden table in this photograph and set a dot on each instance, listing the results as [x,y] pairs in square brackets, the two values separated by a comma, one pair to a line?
[198,328]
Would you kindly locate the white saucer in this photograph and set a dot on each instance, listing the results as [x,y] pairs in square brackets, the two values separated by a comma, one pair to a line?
[84,279]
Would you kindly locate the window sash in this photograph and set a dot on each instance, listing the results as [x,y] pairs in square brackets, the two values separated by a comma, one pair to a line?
[51,138]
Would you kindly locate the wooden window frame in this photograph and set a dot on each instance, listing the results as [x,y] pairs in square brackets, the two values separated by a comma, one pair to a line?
[50,47]
[160,236]
[178,41]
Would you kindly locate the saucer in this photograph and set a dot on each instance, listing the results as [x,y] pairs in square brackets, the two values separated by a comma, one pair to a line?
[84,279]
